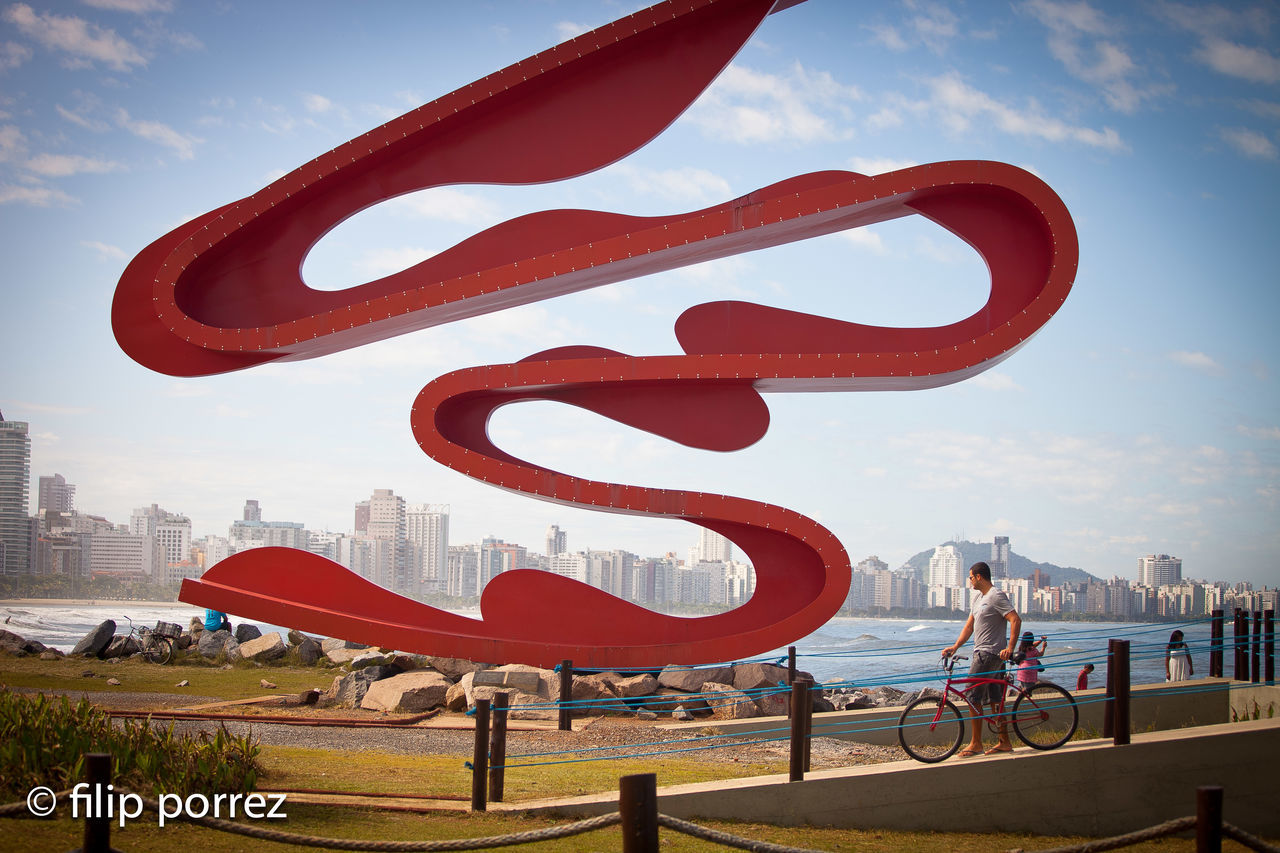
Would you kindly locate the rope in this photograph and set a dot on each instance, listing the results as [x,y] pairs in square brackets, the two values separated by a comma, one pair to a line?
[1160,830]
[20,809]
[549,833]
[723,838]
[1253,842]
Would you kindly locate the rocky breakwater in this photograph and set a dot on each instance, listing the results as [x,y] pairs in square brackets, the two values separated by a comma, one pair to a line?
[387,681]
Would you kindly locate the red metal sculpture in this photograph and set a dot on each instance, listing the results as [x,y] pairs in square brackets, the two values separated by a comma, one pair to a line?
[223,292]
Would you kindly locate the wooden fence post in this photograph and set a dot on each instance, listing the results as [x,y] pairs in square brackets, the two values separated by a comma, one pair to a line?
[791,672]
[566,695]
[1209,819]
[799,728]
[480,757]
[1241,645]
[1255,669]
[97,826]
[1109,706]
[498,748]
[1269,645]
[1120,727]
[1215,645]
[638,807]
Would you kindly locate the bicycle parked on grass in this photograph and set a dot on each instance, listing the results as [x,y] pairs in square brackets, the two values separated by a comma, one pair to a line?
[155,644]
[931,728]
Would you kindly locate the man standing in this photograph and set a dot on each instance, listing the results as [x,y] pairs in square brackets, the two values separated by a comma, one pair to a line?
[990,615]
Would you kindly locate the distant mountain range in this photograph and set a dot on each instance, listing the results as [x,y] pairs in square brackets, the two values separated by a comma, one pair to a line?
[1019,566]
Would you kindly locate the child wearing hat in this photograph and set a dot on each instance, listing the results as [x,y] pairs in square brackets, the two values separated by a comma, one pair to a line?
[1029,651]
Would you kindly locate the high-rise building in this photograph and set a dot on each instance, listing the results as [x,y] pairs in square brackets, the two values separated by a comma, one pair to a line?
[557,541]
[427,529]
[392,566]
[172,532]
[15,483]
[1000,558]
[56,495]
[713,548]
[252,512]
[1159,569]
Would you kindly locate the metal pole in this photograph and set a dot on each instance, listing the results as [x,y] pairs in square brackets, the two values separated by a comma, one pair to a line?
[638,807]
[1209,819]
[566,695]
[97,825]
[808,720]
[1121,724]
[1255,669]
[798,689]
[791,672]
[1269,645]
[480,757]
[1215,645]
[1241,638]
[1109,706]
[498,747]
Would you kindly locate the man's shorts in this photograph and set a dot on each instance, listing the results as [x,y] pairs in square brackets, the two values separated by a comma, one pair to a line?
[986,665]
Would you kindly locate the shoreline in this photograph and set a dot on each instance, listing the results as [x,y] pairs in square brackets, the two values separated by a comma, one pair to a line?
[91,602]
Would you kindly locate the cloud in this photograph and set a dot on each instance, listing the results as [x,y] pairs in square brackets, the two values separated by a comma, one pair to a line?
[686,185]
[1087,45]
[105,251]
[879,165]
[958,105]
[566,30]
[1236,60]
[84,121]
[160,133]
[1249,143]
[1271,433]
[993,381]
[889,37]
[865,238]
[12,143]
[317,103]
[1195,360]
[84,43]
[66,165]
[13,54]
[35,196]
[1219,28]
[447,204]
[137,7]
[751,107]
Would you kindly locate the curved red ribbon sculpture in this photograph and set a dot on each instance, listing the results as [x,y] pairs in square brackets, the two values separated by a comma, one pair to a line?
[224,292]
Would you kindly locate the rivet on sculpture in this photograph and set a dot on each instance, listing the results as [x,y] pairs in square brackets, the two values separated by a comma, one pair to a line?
[223,292]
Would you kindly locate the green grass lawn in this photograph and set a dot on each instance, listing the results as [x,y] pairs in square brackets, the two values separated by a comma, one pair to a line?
[241,681]
[292,768]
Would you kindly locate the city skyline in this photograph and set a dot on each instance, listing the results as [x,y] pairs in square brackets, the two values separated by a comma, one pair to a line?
[1143,419]
[705,544]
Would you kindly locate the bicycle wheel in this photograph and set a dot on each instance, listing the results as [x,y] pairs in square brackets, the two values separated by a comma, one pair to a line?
[930,729]
[157,649]
[1045,716]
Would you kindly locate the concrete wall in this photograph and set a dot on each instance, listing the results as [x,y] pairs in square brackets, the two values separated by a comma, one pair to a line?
[1153,707]
[1086,788]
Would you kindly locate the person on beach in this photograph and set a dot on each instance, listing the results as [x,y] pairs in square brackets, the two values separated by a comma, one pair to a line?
[1030,651]
[1177,659]
[1082,680]
[991,614]
[215,620]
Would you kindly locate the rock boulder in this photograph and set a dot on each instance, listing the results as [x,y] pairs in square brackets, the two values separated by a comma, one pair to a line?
[409,692]
[96,640]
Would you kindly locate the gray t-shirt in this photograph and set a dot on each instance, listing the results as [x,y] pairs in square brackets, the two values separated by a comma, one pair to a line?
[989,623]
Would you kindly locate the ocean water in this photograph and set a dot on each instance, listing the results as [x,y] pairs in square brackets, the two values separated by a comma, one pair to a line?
[902,653]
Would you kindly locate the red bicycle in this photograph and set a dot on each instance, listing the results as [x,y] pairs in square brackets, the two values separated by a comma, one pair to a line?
[932,728]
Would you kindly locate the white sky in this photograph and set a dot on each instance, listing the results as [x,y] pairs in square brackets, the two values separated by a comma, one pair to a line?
[1143,418]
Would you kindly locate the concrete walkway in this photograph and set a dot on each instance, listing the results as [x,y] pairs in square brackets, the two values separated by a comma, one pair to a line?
[1090,788]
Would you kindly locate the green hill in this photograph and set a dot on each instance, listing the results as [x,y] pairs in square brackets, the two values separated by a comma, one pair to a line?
[1019,566]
